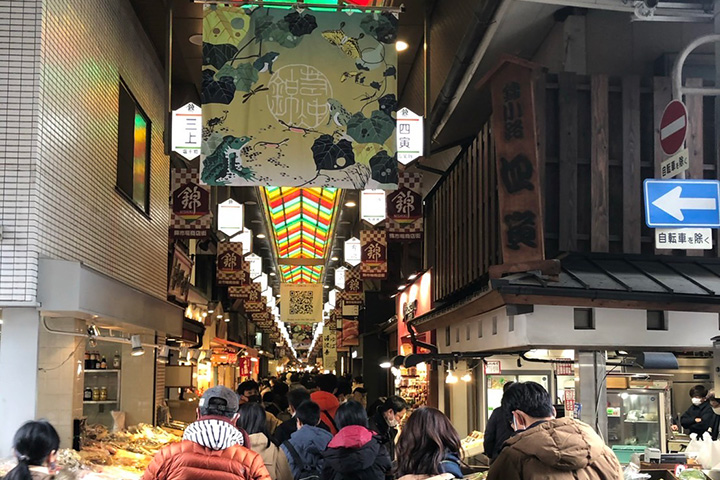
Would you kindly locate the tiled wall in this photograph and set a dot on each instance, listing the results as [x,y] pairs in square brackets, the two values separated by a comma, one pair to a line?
[87,46]
[19,94]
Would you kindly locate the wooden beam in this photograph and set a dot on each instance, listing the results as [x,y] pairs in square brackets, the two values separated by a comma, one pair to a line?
[632,181]
[662,94]
[568,125]
[599,166]
[695,131]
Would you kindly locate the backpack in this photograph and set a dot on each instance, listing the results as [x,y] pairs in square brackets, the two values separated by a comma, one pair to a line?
[307,472]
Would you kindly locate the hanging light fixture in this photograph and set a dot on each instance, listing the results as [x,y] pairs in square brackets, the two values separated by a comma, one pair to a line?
[385,363]
[195,356]
[163,355]
[184,354]
[137,348]
[451,378]
[467,377]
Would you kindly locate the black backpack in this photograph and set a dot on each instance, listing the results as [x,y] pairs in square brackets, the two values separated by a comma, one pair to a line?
[307,472]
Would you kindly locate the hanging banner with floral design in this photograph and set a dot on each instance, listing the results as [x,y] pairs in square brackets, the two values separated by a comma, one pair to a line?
[301,302]
[190,216]
[298,98]
[373,254]
[405,209]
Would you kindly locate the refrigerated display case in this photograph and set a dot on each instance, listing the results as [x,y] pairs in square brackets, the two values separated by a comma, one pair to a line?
[636,417]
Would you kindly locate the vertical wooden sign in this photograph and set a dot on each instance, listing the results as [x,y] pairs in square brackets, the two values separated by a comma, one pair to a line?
[516,157]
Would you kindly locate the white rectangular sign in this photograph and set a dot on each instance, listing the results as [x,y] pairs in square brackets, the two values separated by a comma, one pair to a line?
[230,217]
[493,367]
[372,206]
[410,136]
[683,238]
[675,165]
[187,130]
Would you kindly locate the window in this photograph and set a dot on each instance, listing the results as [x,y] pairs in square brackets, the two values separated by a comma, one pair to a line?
[479,328]
[584,319]
[657,320]
[457,335]
[511,324]
[467,332]
[447,336]
[494,325]
[133,160]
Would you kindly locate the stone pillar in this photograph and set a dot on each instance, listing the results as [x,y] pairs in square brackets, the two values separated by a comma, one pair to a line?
[592,391]
[18,372]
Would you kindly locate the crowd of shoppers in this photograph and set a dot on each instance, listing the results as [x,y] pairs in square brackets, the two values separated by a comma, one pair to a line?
[327,434]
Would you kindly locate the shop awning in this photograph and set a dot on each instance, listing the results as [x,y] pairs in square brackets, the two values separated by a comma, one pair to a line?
[650,282]
[221,341]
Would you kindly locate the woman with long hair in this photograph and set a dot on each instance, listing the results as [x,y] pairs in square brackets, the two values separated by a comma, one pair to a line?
[355,453]
[36,445]
[428,446]
[252,420]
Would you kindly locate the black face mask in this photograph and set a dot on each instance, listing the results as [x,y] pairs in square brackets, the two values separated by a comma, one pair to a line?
[254,398]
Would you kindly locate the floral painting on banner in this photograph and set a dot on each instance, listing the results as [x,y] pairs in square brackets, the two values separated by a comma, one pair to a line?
[298,98]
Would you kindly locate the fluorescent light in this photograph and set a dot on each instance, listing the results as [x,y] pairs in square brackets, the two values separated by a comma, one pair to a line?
[401,46]
[350,204]
[334,259]
[260,235]
[413,276]
[401,288]
[272,274]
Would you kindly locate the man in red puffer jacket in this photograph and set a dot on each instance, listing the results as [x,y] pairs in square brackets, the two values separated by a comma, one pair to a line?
[212,447]
[327,400]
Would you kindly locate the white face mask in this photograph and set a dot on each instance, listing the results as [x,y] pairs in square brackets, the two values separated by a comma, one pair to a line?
[391,420]
[716,410]
[696,401]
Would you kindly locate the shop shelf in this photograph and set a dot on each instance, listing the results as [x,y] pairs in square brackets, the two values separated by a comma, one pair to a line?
[642,421]
[101,370]
[99,402]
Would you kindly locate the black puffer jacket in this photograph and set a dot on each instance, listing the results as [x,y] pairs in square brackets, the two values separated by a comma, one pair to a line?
[385,432]
[355,454]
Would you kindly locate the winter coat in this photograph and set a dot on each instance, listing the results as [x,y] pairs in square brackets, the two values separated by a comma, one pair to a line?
[498,430]
[559,449]
[355,454]
[211,450]
[449,468]
[702,411]
[328,407]
[309,442]
[287,428]
[272,422]
[385,432]
[275,460]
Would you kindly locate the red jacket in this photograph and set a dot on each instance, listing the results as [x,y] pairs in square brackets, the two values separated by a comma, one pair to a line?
[328,407]
[187,460]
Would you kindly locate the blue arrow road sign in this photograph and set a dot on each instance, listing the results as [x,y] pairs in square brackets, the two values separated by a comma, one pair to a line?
[682,203]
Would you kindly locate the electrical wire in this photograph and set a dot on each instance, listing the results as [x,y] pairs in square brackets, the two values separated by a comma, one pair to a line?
[45,370]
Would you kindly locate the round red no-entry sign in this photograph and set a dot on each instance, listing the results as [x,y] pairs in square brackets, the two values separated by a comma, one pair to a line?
[673,127]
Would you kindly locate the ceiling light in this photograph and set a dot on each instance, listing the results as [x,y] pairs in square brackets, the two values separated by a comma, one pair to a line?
[450,377]
[350,204]
[163,355]
[137,348]
[196,39]
[401,288]
[385,363]
[219,315]
[272,274]
[401,46]
[251,202]
[466,378]
[276,296]
[260,235]
[327,286]
[334,259]
[413,276]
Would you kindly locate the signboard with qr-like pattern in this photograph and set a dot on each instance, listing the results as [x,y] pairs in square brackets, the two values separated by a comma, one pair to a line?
[302,302]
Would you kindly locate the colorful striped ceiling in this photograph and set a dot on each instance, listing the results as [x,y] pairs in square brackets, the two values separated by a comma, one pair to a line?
[301,219]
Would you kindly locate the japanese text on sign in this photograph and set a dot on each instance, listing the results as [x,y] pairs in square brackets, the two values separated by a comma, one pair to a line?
[684,238]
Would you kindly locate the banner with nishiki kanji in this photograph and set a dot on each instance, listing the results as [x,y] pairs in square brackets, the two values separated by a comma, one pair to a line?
[231,268]
[301,302]
[373,254]
[298,98]
[353,293]
[405,209]
[190,216]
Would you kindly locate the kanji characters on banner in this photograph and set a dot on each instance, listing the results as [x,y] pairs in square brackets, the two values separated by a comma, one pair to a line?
[373,254]
[329,348]
[231,268]
[405,209]
[302,302]
[190,216]
[353,287]
[242,292]
[321,86]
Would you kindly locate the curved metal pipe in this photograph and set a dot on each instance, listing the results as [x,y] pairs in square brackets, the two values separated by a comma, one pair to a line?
[677,87]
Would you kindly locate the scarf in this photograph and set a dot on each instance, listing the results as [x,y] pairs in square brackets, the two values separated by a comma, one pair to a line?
[213,434]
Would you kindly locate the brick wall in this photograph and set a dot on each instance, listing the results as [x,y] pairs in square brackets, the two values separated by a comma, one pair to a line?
[87,45]
[19,96]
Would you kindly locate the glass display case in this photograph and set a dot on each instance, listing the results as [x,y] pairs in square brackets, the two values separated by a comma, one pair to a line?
[635,417]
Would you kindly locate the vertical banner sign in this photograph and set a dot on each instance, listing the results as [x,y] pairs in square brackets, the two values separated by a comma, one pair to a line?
[372,206]
[191,217]
[329,348]
[410,136]
[301,335]
[513,124]
[241,293]
[302,302]
[374,254]
[405,209]
[340,273]
[179,281]
[254,306]
[187,131]
[229,264]
[255,262]
[354,287]
[353,251]
[321,86]
[230,217]
[350,333]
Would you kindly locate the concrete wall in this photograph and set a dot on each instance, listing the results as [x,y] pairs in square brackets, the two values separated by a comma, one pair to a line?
[87,45]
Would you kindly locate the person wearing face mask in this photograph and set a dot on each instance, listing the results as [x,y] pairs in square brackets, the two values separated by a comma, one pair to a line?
[699,418]
[547,447]
[386,420]
[248,391]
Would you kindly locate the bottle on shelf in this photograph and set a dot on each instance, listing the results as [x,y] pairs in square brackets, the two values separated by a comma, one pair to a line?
[103,364]
[88,394]
[116,361]
[103,393]
[95,394]
[87,359]
[97,361]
